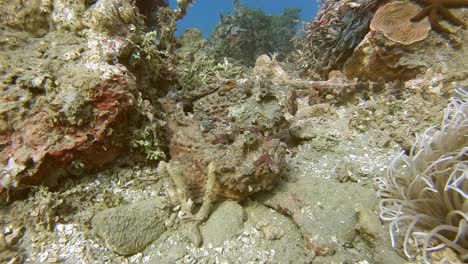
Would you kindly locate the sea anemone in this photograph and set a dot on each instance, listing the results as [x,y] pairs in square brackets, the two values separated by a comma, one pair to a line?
[424,194]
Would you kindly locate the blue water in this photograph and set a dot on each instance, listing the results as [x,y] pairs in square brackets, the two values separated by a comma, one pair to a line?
[204,14]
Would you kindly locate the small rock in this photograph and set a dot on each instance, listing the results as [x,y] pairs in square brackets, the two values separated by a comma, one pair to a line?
[368,224]
[272,233]
[12,239]
[446,255]
[224,224]
[128,229]
[281,238]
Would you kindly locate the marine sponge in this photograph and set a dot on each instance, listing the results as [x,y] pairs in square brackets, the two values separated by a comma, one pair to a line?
[425,193]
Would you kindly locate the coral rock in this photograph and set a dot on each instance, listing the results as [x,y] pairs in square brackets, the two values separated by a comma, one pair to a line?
[41,148]
[383,55]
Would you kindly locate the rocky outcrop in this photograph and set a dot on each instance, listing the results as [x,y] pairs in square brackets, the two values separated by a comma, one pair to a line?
[404,52]
[65,94]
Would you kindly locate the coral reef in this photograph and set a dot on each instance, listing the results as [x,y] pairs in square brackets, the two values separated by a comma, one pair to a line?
[248,33]
[158,127]
[424,193]
[395,49]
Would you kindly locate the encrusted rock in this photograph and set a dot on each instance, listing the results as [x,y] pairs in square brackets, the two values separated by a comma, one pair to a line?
[28,16]
[277,233]
[112,17]
[369,225]
[128,229]
[64,98]
[224,224]
[39,147]
[387,57]
[321,212]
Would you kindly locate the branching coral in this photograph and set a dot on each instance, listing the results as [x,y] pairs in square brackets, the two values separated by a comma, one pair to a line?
[425,194]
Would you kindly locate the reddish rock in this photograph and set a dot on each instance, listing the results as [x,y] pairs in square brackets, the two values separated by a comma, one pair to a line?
[40,148]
